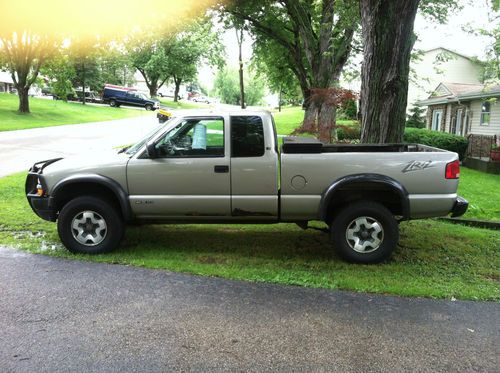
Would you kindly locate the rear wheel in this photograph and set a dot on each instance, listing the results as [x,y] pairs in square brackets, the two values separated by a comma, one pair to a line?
[365,232]
[90,225]
[113,103]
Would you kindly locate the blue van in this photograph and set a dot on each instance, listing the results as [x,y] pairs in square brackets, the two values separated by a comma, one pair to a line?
[115,96]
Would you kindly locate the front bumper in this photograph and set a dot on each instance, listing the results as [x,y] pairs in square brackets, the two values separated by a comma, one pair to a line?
[460,207]
[42,205]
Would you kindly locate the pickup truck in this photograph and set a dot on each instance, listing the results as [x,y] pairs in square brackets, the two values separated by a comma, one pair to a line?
[226,167]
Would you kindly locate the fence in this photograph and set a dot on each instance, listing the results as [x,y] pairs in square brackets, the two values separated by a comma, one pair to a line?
[480,145]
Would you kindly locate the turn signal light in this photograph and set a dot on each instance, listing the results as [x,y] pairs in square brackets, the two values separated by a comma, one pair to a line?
[453,170]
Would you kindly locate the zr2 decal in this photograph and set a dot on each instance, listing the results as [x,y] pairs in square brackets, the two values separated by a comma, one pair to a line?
[417,166]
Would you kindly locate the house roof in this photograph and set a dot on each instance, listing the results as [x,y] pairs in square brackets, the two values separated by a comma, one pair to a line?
[456,92]
[452,52]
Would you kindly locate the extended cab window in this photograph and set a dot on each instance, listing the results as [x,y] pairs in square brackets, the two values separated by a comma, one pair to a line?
[193,138]
[247,136]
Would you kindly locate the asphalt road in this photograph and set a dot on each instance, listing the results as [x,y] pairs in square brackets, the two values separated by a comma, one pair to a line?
[20,149]
[61,315]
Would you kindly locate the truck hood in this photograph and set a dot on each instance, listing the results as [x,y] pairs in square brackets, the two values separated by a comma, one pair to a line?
[109,164]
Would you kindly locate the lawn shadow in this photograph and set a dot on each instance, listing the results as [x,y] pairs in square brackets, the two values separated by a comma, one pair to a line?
[276,242]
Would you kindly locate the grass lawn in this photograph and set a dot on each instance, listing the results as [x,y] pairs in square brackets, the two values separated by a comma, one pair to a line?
[291,117]
[47,113]
[434,259]
[482,190]
[183,104]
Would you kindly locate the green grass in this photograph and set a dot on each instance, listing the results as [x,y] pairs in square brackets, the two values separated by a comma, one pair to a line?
[483,193]
[434,259]
[291,118]
[48,113]
[183,104]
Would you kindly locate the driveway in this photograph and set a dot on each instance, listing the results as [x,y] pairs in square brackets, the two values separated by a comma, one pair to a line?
[62,315]
[20,149]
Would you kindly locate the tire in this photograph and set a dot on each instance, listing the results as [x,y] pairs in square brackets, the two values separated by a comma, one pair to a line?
[149,107]
[81,211]
[112,103]
[364,232]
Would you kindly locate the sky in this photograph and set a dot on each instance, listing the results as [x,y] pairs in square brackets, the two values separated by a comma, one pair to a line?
[430,35]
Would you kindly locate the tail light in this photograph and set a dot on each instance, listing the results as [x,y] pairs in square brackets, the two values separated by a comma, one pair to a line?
[453,170]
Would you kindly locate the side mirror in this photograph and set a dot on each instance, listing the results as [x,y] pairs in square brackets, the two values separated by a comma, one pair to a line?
[151,149]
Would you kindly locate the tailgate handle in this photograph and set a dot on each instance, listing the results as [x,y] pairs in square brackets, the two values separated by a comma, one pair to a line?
[221,169]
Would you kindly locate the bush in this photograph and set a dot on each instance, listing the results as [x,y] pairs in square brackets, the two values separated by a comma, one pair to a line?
[453,143]
[349,132]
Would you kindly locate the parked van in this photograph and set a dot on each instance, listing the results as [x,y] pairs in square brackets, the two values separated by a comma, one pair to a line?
[116,96]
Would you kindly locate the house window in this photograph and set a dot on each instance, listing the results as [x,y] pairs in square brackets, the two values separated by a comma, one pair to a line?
[485,113]
[437,115]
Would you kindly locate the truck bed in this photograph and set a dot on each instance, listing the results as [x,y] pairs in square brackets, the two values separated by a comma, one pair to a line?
[300,145]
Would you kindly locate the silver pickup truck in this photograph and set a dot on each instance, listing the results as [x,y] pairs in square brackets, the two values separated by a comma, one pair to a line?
[226,167]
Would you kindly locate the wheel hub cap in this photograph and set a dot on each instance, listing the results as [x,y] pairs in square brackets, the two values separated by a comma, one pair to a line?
[89,228]
[364,234]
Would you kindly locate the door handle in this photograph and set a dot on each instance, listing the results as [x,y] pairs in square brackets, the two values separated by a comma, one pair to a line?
[221,169]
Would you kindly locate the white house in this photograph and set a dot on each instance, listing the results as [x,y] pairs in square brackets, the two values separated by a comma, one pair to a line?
[464,109]
[440,65]
[6,83]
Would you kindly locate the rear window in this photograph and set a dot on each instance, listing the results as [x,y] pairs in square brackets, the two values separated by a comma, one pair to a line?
[247,136]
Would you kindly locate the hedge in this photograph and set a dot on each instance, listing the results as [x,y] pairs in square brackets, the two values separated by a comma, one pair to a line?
[442,140]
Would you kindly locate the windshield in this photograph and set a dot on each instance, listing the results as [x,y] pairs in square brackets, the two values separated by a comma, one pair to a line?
[137,146]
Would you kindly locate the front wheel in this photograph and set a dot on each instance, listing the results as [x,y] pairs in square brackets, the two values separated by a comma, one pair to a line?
[365,232]
[90,225]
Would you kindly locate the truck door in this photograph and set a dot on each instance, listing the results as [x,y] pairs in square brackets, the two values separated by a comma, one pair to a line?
[190,179]
[254,169]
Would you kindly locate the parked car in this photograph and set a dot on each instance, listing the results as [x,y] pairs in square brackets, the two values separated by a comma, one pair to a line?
[117,96]
[225,167]
[90,96]
[205,99]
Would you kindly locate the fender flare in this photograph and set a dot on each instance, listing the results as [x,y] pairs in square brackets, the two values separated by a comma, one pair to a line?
[107,182]
[327,195]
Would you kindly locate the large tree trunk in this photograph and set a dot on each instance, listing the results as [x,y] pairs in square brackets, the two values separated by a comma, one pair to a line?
[24,103]
[84,99]
[327,115]
[388,40]
[153,90]
[177,89]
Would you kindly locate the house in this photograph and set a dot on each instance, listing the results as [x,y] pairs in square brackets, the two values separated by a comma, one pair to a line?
[6,83]
[440,65]
[471,110]
[463,109]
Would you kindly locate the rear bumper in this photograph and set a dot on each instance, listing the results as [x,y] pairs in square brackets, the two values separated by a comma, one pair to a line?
[460,207]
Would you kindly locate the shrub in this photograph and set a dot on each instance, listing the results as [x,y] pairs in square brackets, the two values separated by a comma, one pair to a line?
[349,132]
[416,119]
[453,143]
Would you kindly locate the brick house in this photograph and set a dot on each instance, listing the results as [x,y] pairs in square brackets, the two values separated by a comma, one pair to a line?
[464,109]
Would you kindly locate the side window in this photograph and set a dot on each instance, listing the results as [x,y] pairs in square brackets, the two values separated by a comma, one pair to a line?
[485,113]
[247,136]
[193,138]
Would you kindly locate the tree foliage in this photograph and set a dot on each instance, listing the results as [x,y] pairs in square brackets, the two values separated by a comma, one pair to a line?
[228,89]
[24,53]
[314,39]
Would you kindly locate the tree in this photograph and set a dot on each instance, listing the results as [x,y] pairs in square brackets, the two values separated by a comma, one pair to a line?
[416,119]
[24,53]
[84,55]
[187,49]
[60,72]
[388,38]
[239,39]
[315,39]
[491,31]
[227,88]
[148,55]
